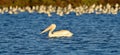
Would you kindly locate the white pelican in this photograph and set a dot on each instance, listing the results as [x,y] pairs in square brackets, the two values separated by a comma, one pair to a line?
[61,33]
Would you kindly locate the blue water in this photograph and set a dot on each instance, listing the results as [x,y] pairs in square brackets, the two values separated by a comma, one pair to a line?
[93,34]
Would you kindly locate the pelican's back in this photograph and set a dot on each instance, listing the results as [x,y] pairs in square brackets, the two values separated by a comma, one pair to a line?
[62,33]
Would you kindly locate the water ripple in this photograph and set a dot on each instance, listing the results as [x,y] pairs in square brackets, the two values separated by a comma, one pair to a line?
[93,34]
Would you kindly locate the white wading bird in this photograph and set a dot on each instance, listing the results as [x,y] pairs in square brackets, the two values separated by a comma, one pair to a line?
[61,33]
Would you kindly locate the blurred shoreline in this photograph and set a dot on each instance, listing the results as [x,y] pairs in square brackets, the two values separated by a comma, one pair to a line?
[57,3]
[60,7]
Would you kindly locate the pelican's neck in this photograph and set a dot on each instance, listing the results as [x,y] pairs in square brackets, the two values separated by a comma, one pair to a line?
[51,30]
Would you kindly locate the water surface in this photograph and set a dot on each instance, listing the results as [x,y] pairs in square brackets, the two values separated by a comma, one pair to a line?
[93,34]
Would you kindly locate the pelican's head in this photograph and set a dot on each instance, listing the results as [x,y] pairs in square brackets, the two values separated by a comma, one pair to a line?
[51,27]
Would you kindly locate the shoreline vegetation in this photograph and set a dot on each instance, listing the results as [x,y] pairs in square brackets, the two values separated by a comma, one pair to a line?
[60,7]
[60,3]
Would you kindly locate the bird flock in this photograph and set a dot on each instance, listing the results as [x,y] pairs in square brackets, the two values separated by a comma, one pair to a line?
[97,9]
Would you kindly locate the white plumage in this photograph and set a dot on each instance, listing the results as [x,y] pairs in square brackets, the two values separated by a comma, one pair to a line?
[61,33]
